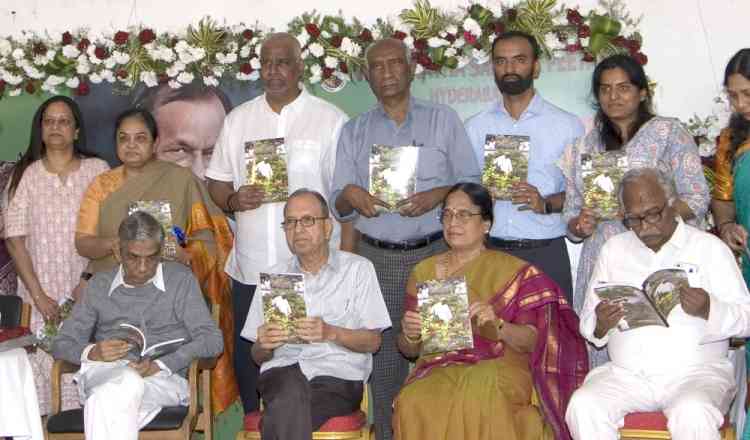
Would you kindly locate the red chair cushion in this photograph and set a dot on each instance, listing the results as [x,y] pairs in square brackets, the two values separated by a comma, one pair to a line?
[652,421]
[353,422]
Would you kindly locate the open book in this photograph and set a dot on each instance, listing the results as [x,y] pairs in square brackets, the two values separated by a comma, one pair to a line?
[506,162]
[284,301]
[135,336]
[265,161]
[650,303]
[601,174]
[393,173]
[444,309]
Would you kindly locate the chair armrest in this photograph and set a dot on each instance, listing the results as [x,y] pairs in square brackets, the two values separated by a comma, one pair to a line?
[59,368]
[206,363]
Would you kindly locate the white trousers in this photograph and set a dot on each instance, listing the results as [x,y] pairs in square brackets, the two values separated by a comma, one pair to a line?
[19,407]
[119,402]
[693,399]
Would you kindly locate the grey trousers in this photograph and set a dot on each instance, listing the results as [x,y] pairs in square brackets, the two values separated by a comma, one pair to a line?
[390,368]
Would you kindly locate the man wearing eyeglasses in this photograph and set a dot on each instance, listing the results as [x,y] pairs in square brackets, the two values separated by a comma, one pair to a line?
[303,385]
[682,369]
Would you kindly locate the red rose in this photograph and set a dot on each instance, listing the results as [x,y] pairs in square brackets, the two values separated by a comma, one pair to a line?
[574,17]
[246,68]
[365,35]
[588,57]
[83,89]
[162,78]
[67,38]
[584,31]
[633,45]
[30,89]
[336,41]
[511,14]
[470,39]
[499,27]
[101,53]
[2,87]
[146,36]
[423,59]
[39,49]
[451,38]
[122,73]
[121,37]
[641,58]
[327,72]
[313,30]
[343,67]
[247,34]
[619,41]
[400,35]
[83,44]
[420,44]
[432,66]
[574,47]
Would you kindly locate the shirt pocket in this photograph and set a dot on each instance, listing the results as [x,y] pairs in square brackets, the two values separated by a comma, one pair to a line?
[303,163]
[432,167]
[338,311]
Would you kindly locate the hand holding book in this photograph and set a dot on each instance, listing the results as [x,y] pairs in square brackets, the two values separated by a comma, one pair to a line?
[695,302]
[607,316]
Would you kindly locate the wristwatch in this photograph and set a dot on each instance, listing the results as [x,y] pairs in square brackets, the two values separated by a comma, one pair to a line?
[86,275]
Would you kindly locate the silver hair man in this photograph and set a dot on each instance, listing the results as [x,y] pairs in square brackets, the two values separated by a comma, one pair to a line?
[140,226]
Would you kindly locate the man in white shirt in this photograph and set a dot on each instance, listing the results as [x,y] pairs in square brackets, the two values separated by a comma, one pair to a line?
[303,385]
[682,369]
[310,129]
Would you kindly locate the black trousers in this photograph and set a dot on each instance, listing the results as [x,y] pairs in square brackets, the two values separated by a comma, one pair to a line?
[552,259]
[245,368]
[295,407]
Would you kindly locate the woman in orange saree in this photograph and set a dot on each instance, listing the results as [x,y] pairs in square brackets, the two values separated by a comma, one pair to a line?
[208,238]
[525,337]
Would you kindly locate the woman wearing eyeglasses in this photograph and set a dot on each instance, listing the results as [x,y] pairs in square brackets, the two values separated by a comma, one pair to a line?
[525,338]
[625,121]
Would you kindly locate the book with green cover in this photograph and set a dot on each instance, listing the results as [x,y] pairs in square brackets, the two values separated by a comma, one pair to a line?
[602,173]
[283,301]
[393,173]
[444,309]
[506,162]
[265,162]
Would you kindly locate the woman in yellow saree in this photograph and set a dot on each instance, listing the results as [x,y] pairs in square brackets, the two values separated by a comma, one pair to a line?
[525,339]
[207,240]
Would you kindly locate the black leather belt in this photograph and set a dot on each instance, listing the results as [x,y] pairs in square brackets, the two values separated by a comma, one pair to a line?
[499,243]
[407,245]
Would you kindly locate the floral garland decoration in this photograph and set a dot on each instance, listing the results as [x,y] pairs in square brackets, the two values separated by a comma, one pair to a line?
[333,47]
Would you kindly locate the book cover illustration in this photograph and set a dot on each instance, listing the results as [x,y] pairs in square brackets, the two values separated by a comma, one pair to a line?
[649,304]
[506,162]
[444,309]
[602,173]
[265,162]
[284,301]
[161,210]
[393,173]
[136,337]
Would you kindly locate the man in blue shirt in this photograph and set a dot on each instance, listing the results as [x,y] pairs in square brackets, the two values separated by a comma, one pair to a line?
[530,225]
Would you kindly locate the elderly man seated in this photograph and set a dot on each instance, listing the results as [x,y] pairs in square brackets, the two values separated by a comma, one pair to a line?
[682,369]
[303,385]
[122,393]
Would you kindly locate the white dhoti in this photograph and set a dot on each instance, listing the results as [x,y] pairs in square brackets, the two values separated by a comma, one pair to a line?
[693,399]
[118,401]
[19,408]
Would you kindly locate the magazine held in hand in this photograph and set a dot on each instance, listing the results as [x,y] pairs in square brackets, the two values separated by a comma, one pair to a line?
[135,336]
[393,174]
[444,309]
[506,162]
[284,301]
[650,303]
[602,173]
[161,210]
[265,161]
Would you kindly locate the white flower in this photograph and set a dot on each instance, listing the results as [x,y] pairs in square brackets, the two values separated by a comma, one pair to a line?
[584,41]
[255,76]
[303,38]
[185,77]
[305,53]
[5,47]
[218,71]
[228,58]
[121,57]
[73,82]
[175,69]
[18,53]
[350,48]
[70,51]
[11,79]
[604,183]
[245,51]
[437,42]
[459,43]
[110,63]
[450,52]
[54,80]
[325,34]
[255,63]
[551,41]
[210,81]
[409,42]
[95,78]
[149,78]
[21,38]
[452,29]
[174,84]
[41,60]
[503,163]
[232,46]
[376,34]
[316,70]
[316,50]
[331,62]
[400,26]
[495,8]
[108,75]
[181,46]
[470,25]
[334,27]
[198,53]
[442,312]
[419,69]
[14,92]
[315,79]
[33,72]
[264,169]
[282,305]
[480,56]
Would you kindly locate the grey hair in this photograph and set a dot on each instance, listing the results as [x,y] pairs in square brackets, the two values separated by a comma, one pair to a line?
[286,37]
[140,225]
[407,54]
[636,174]
[306,191]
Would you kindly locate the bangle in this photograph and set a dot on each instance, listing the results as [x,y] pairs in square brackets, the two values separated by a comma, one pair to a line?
[412,340]
[500,323]
[545,210]
[724,223]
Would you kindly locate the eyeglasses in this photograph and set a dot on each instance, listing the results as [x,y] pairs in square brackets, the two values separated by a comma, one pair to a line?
[462,215]
[306,221]
[62,122]
[652,217]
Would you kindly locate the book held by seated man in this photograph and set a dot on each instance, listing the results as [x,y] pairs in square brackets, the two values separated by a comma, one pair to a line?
[393,174]
[137,338]
[602,173]
[650,303]
[444,309]
[506,162]
[284,301]
[265,162]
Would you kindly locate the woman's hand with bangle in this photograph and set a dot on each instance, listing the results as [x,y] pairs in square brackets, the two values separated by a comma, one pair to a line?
[734,235]
[411,327]
[47,307]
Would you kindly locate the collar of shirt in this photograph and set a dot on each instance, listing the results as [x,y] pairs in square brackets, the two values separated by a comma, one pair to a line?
[676,242]
[333,263]
[535,107]
[298,102]
[157,280]
[381,111]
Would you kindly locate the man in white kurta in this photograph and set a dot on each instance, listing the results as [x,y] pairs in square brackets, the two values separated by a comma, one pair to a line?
[681,370]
